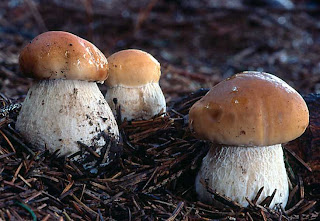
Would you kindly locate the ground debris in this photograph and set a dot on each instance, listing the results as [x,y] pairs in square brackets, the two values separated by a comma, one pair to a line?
[198,44]
[152,178]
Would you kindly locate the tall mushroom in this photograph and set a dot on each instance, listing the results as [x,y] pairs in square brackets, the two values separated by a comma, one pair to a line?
[246,118]
[133,84]
[65,105]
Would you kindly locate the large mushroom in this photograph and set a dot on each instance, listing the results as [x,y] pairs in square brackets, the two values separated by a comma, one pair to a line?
[246,118]
[65,105]
[133,84]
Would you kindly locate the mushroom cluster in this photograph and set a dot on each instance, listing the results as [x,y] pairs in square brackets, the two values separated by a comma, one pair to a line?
[65,105]
[133,85]
[246,118]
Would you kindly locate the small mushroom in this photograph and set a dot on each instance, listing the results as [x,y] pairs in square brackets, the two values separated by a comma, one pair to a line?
[133,84]
[65,105]
[246,118]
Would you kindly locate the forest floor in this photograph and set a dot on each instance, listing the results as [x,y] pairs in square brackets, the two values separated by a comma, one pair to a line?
[198,44]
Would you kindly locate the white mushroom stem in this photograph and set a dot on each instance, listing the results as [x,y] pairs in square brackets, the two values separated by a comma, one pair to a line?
[137,102]
[58,113]
[239,172]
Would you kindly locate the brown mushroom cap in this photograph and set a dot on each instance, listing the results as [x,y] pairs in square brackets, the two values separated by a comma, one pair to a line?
[132,68]
[62,55]
[250,109]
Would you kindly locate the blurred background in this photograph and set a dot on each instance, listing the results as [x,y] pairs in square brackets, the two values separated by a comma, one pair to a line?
[198,43]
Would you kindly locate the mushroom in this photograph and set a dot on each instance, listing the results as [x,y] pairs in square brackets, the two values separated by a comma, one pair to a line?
[65,105]
[133,84]
[246,118]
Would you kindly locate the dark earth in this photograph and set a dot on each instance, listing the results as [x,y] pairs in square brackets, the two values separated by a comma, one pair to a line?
[198,43]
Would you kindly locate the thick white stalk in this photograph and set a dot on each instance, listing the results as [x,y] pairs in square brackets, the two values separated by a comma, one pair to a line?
[137,102]
[58,113]
[239,172]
